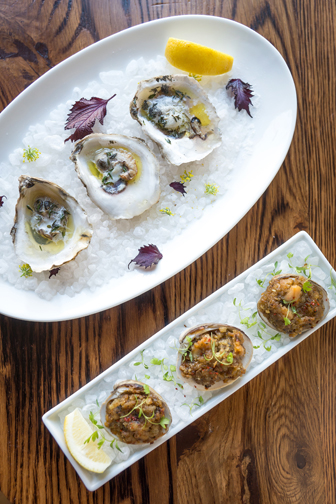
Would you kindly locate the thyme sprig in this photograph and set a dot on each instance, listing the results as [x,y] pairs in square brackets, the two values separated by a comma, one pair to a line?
[194,404]
[273,273]
[247,321]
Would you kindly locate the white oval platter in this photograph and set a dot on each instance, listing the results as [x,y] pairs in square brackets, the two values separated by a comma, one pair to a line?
[274,128]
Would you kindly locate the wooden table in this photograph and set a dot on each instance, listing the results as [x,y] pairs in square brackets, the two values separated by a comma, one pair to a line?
[274,440]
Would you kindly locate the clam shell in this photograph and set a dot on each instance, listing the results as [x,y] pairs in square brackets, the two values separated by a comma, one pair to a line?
[325,299]
[30,189]
[185,149]
[198,330]
[139,195]
[121,387]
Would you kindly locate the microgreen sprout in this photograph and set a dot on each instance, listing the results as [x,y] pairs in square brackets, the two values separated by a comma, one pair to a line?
[196,77]
[273,273]
[26,270]
[307,286]
[185,350]
[187,176]
[138,406]
[333,281]
[194,403]
[276,337]
[95,434]
[142,361]
[166,211]
[30,154]
[229,358]
[306,269]
[114,442]
[168,140]
[211,189]
[247,321]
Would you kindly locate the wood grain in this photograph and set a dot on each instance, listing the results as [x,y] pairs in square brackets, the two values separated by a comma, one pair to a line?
[272,441]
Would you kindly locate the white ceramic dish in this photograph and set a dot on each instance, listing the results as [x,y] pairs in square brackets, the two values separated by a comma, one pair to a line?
[51,418]
[274,128]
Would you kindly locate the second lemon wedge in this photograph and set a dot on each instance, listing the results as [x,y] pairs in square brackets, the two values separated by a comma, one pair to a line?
[89,456]
[196,58]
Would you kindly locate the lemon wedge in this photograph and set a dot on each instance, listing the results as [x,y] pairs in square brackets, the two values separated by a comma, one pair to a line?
[76,431]
[197,59]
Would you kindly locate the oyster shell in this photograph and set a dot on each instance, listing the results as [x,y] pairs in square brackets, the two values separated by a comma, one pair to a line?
[120,174]
[50,227]
[138,430]
[281,298]
[176,113]
[197,333]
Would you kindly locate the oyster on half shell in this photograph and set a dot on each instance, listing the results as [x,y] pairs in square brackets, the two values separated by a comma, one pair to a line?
[50,227]
[212,356]
[120,173]
[175,112]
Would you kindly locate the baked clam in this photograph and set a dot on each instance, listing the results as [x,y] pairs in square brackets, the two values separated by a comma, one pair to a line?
[212,356]
[120,173]
[135,413]
[50,227]
[293,304]
[175,112]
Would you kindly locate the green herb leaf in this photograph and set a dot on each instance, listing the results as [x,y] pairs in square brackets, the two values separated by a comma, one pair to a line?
[164,421]
[290,255]
[146,389]
[156,362]
[137,363]
[172,368]
[201,400]
[147,376]
[287,321]
[268,348]
[92,418]
[97,403]
[307,286]
[255,347]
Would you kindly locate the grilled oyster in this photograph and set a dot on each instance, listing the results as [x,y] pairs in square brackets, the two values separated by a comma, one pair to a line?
[50,227]
[120,174]
[292,304]
[135,413]
[176,113]
[212,356]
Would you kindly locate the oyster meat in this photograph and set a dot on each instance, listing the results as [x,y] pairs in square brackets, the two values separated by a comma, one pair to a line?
[120,174]
[176,113]
[50,227]
[293,304]
[135,413]
[212,356]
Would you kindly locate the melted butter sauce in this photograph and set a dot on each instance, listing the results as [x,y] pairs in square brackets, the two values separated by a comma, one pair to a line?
[99,175]
[43,244]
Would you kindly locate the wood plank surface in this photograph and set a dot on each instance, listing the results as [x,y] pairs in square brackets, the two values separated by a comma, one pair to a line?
[274,440]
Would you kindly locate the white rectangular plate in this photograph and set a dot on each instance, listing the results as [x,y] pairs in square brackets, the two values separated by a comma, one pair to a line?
[274,126]
[51,418]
